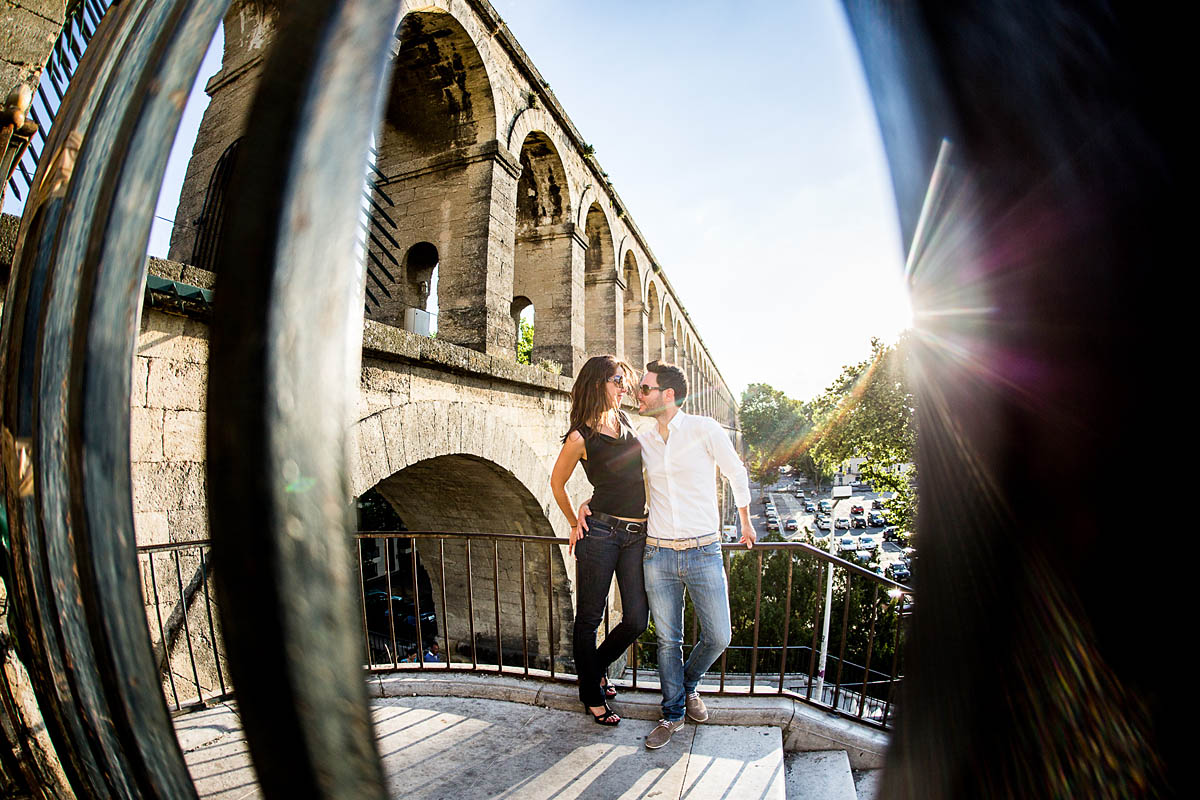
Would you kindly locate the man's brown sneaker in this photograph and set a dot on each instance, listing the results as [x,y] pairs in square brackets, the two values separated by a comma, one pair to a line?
[696,710]
[662,734]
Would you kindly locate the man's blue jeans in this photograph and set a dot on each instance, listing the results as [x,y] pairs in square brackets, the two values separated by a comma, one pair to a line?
[668,573]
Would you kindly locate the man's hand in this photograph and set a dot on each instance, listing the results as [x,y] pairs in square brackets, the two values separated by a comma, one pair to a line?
[748,537]
[584,513]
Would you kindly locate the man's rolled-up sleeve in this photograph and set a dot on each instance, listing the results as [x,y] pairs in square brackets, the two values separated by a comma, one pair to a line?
[731,465]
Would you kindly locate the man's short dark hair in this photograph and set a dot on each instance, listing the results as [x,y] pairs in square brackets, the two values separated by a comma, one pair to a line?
[670,377]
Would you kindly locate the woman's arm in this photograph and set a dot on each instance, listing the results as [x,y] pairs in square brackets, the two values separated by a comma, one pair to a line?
[572,451]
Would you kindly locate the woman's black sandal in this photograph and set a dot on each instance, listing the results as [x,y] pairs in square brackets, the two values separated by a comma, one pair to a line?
[609,717]
[610,691]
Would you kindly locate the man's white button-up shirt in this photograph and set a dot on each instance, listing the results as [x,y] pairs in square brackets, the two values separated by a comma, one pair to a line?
[682,476]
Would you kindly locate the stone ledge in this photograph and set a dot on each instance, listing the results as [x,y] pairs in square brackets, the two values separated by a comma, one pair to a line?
[804,727]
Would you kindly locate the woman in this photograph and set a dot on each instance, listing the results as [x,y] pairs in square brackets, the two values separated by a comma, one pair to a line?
[602,438]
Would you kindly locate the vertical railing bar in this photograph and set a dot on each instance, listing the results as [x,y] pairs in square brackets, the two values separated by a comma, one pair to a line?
[445,610]
[391,610]
[870,646]
[162,634]
[757,608]
[550,596]
[212,632]
[471,606]
[729,591]
[837,683]
[417,604]
[496,602]
[187,629]
[787,621]
[362,602]
[887,706]
[817,611]
[524,624]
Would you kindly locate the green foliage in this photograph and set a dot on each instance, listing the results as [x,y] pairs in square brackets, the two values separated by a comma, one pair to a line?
[525,342]
[869,412]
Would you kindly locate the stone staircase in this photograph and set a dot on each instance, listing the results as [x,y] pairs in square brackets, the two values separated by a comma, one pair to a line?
[443,746]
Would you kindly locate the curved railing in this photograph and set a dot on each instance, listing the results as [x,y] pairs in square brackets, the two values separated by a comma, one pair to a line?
[494,602]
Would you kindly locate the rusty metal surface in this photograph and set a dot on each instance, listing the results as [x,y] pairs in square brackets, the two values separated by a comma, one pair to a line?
[283,378]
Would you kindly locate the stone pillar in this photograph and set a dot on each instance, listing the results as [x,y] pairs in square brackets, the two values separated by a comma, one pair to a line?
[551,275]
[604,329]
[636,319]
[460,202]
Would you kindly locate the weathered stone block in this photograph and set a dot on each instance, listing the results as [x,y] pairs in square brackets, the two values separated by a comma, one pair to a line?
[189,524]
[146,434]
[177,385]
[151,527]
[184,435]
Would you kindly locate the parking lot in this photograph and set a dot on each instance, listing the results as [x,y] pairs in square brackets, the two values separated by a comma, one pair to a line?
[789,507]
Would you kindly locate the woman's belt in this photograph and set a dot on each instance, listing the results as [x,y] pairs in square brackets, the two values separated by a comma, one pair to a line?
[618,524]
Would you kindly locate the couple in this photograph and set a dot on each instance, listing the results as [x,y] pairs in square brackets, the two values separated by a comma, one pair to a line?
[679,547]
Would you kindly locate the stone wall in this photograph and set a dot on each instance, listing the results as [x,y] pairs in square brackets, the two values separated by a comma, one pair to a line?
[28,30]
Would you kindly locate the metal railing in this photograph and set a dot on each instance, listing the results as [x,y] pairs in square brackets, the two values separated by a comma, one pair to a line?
[494,603]
[183,624]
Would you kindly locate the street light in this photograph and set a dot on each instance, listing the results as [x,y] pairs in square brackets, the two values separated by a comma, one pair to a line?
[840,493]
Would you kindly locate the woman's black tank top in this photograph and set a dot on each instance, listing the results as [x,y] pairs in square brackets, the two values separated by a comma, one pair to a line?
[614,467]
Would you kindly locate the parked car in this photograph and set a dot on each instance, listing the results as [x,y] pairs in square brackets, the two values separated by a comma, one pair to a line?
[877,504]
[876,519]
[791,524]
[898,572]
[810,506]
[847,543]
[891,534]
[867,542]
[858,522]
[856,509]
[825,507]
[822,523]
[772,524]
[379,617]
[842,522]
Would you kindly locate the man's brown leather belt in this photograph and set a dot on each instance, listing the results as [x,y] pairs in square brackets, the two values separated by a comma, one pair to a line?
[684,544]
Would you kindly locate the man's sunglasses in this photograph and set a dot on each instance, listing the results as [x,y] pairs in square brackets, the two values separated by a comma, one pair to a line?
[648,389]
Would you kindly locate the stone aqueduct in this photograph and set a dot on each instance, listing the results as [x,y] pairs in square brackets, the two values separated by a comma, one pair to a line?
[487,182]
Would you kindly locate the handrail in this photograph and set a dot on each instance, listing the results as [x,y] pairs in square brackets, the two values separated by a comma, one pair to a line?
[482,632]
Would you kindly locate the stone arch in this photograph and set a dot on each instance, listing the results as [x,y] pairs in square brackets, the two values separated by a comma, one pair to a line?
[209,225]
[654,322]
[670,343]
[485,479]
[437,135]
[633,306]
[603,330]
[548,253]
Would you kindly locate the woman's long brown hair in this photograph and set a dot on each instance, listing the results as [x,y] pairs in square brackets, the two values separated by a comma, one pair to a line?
[589,395]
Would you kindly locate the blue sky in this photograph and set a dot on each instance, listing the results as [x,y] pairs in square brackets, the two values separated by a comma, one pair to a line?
[742,140]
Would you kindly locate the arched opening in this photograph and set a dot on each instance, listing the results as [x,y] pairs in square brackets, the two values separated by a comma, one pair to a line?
[523,324]
[208,226]
[471,587]
[654,324]
[439,116]
[546,253]
[602,315]
[633,311]
[418,288]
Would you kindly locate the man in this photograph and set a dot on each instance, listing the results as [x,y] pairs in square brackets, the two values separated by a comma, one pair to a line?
[683,542]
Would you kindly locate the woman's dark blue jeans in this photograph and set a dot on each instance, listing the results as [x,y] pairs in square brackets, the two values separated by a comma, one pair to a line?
[598,555]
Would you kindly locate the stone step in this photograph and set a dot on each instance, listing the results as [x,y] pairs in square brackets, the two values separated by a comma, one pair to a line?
[819,775]
[442,747]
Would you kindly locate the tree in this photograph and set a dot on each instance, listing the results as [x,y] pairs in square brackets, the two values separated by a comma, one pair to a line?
[771,426]
[525,342]
[869,412]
